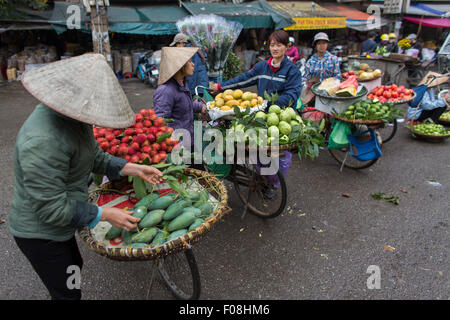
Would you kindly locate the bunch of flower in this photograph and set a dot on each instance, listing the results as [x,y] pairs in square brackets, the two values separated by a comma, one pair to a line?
[404,44]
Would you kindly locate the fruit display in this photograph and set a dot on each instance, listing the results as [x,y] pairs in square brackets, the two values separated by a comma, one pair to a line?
[391,93]
[430,129]
[281,126]
[348,87]
[445,116]
[332,87]
[148,138]
[165,216]
[381,51]
[362,71]
[226,100]
[371,111]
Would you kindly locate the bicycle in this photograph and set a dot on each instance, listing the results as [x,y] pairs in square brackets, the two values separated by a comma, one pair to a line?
[174,260]
[251,187]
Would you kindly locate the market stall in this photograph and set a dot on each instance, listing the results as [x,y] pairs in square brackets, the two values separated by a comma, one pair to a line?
[390,66]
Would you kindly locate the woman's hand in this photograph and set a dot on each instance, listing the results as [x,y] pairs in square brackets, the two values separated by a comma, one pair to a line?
[120,218]
[148,173]
[205,114]
[214,87]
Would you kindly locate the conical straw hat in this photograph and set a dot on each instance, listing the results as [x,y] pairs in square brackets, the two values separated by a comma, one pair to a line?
[83,88]
[435,78]
[172,60]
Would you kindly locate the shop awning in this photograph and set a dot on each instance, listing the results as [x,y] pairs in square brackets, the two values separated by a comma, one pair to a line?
[356,19]
[149,20]
[309,15]
[255,14]
[429,10]
[430,22]
[25,26]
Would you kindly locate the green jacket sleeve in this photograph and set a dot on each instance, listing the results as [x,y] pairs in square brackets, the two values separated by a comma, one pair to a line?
[45,169]
[107,164]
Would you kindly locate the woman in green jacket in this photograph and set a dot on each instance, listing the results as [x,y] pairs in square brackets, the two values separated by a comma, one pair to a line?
[55,153]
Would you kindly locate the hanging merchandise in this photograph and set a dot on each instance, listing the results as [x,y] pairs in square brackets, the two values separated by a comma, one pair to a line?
[214,33]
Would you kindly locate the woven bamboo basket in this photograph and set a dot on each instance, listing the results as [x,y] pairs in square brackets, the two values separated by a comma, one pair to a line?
[179,244]
[430,138]
[283,147]
[356,121]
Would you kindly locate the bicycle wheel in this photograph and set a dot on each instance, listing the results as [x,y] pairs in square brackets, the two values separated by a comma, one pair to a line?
[180,273]
[342,156]
[252,188]
[387,131]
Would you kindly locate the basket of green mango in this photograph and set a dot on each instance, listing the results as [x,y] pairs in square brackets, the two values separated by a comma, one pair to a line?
[370,113]
[173,215]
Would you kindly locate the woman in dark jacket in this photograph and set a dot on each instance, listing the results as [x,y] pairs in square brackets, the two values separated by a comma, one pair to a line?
[172,98]
[200,75]
[276,75]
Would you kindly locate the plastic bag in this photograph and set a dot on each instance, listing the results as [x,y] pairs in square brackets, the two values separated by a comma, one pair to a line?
[283,165]
[330,85]
[313,115]
[338,137]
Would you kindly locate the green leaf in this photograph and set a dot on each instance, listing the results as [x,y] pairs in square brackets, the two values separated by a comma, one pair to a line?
[163,137]
[160,166]
[237,111]
[260,122]
[139,187]
[149,187]
[98,179]
[146,161]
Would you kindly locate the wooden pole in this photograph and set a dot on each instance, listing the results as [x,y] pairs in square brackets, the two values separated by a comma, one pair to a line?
[99,27]
[420,27]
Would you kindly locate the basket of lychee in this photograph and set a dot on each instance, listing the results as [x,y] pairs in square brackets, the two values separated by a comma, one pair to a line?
[392,94]
[148,138]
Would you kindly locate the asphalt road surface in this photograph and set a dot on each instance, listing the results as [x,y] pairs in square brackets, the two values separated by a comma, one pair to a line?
[324,246]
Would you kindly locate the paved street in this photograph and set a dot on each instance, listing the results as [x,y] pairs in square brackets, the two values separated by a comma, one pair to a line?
[319,248]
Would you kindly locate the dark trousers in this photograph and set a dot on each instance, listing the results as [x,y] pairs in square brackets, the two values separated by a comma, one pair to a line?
[433,114]
[51,259]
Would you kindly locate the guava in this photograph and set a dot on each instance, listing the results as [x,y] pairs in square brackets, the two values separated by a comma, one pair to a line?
[292,112]
[285,128]
[261,114]
[273,131]
[274,109]
[285,116]
[272,119]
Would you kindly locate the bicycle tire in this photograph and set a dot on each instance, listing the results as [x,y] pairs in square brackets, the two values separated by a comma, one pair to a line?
[392,133]
[253,210]
[175,289]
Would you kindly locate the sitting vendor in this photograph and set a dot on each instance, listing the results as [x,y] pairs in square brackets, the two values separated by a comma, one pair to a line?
[430,107]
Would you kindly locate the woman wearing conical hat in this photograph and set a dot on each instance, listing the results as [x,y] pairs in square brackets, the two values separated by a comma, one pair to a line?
[431,106]
[55,153]
[172,99]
